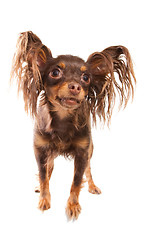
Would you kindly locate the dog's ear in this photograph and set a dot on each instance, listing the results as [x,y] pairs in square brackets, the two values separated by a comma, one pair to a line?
[28,65]
[112,73]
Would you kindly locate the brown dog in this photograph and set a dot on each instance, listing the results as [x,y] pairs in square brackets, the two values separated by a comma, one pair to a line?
[70,90]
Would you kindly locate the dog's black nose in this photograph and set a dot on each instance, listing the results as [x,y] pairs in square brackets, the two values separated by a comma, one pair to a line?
[74,88]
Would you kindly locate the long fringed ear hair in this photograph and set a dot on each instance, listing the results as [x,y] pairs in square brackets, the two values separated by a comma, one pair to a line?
[27,67]
[112,72]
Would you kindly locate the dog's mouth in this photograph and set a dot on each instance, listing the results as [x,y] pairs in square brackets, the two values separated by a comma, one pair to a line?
[68,101]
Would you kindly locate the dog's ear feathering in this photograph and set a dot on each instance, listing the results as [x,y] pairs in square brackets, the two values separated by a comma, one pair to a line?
[27,67]
[111,70]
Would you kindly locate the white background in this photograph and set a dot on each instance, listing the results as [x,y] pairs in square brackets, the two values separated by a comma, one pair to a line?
[126,160]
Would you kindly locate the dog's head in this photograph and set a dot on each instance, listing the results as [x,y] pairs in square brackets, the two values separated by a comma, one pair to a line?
[67,80]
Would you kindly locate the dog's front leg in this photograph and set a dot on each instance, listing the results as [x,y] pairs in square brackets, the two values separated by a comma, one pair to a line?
[73,208]
[42,161]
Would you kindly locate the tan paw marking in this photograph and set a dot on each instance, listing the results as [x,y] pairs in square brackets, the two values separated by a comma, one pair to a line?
[73,210]
[44,202]
[94,189]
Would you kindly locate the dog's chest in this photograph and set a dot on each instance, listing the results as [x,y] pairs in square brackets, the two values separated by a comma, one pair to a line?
[63,136]
[66,136]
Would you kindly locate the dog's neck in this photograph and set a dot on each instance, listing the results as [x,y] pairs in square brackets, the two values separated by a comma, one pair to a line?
[78,117]
[62,112]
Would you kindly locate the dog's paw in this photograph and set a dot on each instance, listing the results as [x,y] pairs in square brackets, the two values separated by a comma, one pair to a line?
[37,189]
[44,202]
[94,189]
[73,210]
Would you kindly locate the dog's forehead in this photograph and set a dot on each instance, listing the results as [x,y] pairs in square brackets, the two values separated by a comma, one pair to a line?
[65,61]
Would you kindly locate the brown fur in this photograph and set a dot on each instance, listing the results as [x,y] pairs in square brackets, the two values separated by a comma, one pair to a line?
[69,91]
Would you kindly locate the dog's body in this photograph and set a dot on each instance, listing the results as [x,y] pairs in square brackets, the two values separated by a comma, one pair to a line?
[70,89]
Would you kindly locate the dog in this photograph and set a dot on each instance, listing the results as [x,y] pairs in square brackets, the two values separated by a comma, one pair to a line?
[62,94]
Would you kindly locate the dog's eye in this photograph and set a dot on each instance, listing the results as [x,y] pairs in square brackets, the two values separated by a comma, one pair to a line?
[85,78]
[56,73]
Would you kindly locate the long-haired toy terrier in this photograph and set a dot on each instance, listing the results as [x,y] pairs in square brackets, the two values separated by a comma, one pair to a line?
[70,91]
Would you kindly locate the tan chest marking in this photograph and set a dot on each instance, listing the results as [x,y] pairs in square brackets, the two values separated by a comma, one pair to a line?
[81,142]
[40,141]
